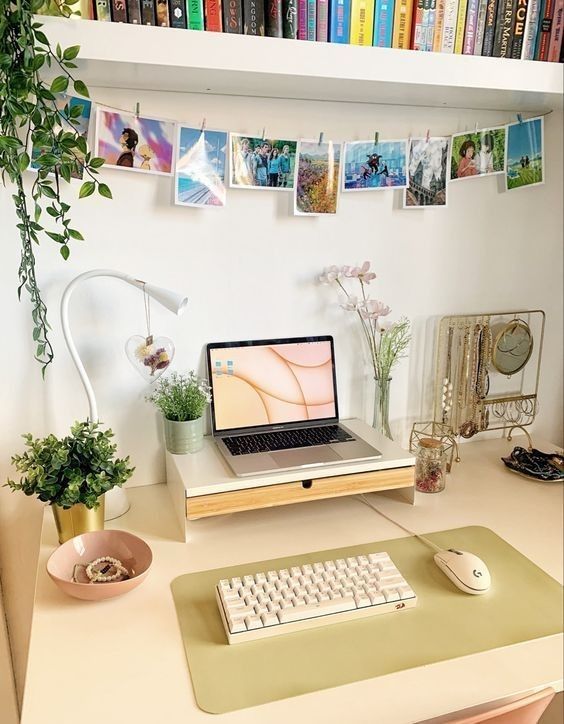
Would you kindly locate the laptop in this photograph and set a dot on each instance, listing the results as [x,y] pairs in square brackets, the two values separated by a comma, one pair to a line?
[274,406]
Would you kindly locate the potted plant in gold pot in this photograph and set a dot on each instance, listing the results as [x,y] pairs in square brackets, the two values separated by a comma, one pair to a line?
[72,474]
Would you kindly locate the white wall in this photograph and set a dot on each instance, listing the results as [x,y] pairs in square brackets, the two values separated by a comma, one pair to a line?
[249,270]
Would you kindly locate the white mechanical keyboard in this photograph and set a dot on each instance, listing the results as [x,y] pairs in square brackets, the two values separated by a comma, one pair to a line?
[278,602]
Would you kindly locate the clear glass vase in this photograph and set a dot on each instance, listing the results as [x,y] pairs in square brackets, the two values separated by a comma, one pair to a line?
[381,421]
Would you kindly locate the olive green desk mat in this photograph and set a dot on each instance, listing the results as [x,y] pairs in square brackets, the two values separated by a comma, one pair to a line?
[524,603]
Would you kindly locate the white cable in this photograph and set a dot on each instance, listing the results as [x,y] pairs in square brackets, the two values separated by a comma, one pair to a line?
[422,538]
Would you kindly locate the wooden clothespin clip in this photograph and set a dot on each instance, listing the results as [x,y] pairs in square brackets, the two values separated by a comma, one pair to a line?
[137,110]
[376,137]
[320,138]
[476,129]
[263,133]
[203,126]
[520,118]
[428,136]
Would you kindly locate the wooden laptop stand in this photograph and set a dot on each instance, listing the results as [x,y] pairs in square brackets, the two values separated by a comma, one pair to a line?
[202,485]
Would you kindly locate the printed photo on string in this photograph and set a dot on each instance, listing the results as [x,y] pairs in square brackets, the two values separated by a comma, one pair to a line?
[368,166]
[200,167]
[262,163]
[134,143]
[477,154]
[427,173]
[317,178]
[525,154]
[74,113]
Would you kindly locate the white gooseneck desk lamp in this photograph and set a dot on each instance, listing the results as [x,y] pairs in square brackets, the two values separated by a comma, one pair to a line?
[116,499]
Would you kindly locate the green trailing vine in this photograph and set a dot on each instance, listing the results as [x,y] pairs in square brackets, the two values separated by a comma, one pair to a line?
[30,118]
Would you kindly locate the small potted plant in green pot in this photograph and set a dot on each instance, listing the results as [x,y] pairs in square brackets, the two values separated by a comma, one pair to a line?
[182,399]
[72,474]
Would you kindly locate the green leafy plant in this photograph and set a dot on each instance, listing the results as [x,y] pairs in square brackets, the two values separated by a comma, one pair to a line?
[29,116]
[77,469]
[181,397]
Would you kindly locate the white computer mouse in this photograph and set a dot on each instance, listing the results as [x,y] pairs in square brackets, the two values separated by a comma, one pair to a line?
[465,570]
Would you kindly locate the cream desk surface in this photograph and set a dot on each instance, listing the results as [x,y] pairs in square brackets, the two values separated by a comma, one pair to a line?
[122,661]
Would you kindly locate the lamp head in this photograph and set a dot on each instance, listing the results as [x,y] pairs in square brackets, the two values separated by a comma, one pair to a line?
[173,301]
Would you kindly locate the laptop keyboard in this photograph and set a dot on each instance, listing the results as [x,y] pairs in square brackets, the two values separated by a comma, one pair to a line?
[286,439]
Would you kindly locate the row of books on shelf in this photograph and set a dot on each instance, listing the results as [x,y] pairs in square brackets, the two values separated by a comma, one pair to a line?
[520,29]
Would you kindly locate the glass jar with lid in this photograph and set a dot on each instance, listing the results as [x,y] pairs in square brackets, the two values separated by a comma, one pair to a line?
[430,466]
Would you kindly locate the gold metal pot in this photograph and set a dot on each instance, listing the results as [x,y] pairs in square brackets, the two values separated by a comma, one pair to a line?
[78,519]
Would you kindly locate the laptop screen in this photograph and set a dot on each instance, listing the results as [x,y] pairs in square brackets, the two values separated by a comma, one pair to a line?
[274,382]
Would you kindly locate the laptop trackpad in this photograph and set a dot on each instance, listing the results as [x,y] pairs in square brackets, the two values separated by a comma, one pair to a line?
[305,456]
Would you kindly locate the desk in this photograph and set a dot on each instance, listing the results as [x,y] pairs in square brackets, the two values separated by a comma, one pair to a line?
[129,649]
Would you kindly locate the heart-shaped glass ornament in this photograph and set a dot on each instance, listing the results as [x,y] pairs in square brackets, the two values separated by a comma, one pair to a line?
[150,355]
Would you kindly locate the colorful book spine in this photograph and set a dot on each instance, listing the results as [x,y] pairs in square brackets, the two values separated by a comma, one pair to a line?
[545,26]
[148,12]
[555,45]
[195,14]
[362,22]
[449,28]
[290,19]
[232,16]
[439,25]
[119,12]
[489,32]
[403,14]
[177,10]
[383,23]
[460,26]
[134,12]
[322,32]
[162,14]
[253,17]
[417,38]
[470,29]
[502,46]
[480,27]
[212,14]
[311,19]
[302,19]
[518,34]
[340,25]
[430,26]
[531,29]
[273,12]
[102,9]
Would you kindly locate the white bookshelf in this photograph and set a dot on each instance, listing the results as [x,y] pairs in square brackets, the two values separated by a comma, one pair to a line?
[167,59]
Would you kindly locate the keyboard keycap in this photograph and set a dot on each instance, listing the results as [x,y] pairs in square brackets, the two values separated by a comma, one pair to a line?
[320,609]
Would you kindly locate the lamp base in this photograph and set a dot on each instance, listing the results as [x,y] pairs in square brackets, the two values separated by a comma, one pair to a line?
[117,503]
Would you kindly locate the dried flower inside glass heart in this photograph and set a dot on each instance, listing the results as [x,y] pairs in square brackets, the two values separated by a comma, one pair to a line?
[149,355]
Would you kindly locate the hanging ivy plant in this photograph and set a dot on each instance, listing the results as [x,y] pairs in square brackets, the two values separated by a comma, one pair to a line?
[30,118]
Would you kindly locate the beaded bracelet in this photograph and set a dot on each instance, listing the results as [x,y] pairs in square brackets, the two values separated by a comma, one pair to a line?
[96,575]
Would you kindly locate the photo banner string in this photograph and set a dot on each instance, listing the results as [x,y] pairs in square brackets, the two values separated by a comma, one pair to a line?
[377,136]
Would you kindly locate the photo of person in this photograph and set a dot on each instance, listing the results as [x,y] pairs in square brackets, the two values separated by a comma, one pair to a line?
[262,163]
[317,178]
[200,167]
[136,143]
[370,167]
[427,173]
[79,111]
[525,154]
[477,154]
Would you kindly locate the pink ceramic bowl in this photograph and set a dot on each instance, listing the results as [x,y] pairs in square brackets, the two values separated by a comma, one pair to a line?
[133,552]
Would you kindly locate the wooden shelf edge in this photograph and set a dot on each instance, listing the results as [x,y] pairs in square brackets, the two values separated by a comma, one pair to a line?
[205,506]
[168,59]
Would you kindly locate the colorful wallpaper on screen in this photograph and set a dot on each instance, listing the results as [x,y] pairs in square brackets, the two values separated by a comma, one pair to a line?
[272,384]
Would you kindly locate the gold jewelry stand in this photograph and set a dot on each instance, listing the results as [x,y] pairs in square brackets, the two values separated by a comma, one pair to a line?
[471,394]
